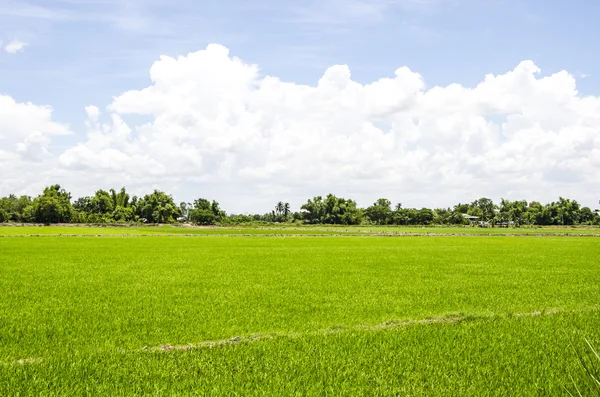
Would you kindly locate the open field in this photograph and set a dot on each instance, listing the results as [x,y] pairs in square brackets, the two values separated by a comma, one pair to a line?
[353,315]
[288,229]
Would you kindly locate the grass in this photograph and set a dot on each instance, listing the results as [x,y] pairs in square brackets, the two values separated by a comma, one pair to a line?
[283,229]
[314,316]
[590,365]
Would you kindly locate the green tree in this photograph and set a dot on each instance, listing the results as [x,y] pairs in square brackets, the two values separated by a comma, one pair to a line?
[517,211]
[475,211]
[123,211]
[313,210]
[586,216]
[503,216]
[123,214]
[280,213]
[102,203]
[424,216]
[401,216]
[462,208]
[333,210]
[48,210]
[341,211]
[203,212]
[279,209]
[52,206]
[567,211]
[512,212]
[158,207]
[203,217]
[120,199]
[536,214]
[441,216]
[483,208]
[14,207]
[380,212]
[83,204]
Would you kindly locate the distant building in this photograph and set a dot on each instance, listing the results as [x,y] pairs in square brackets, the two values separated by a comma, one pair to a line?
[471,218]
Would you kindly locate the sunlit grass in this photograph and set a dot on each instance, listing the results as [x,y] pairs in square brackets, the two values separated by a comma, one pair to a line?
[313,315]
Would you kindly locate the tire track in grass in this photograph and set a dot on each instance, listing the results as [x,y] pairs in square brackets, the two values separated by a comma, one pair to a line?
[450,319]
[22,361]
[391,325]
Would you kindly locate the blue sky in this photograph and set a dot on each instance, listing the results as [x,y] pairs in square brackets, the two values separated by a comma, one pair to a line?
[85,52]
[82,51]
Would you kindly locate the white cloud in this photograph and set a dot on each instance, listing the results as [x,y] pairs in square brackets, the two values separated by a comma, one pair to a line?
[26,131]
[21,120]
[214,126]
[15,46]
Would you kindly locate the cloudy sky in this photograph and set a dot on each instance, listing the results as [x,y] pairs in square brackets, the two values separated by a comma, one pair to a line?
[424,102]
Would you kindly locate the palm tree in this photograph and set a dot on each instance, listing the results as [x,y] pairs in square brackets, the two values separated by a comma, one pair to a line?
[279,208]
[286,211]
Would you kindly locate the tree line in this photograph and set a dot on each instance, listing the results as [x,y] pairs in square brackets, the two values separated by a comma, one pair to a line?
[55,205]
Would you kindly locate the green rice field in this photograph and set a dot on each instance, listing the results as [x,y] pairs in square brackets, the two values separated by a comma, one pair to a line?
[340,315]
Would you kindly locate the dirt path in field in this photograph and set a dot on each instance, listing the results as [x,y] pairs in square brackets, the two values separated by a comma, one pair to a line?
[23,361]
[403,234]
[451,319]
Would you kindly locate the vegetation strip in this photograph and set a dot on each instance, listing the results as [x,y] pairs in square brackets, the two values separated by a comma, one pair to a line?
[318,235]
[450,319]
[56,205]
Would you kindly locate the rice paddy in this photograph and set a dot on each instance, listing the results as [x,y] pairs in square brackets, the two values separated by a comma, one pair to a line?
[355,314]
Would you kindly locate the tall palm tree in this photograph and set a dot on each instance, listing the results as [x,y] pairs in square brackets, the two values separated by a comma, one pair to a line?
[279,208]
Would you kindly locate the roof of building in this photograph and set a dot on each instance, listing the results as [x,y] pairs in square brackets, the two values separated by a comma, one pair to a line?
[471,217]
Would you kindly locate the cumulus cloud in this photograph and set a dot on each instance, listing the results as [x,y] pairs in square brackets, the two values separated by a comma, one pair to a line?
[210,124]
[19,121]
[26,132]
[15,46]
